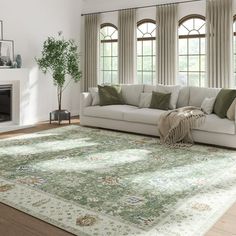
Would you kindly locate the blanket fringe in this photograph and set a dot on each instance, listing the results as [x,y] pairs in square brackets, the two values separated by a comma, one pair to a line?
[178,125]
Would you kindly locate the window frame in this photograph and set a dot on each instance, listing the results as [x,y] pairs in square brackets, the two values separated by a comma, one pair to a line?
[143,21]
[192,36]
[102,55]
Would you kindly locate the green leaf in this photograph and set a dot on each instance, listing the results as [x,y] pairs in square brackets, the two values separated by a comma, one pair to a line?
[61,58]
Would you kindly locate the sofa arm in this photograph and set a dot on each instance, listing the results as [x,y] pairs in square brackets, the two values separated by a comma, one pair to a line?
[85,101]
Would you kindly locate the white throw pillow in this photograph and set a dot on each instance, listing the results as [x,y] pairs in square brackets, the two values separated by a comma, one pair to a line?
[95,96]
[231,111]
[173,89]
[145,100]
[208,105]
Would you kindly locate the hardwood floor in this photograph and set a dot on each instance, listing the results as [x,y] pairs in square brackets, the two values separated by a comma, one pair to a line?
[17,223]
[38,127]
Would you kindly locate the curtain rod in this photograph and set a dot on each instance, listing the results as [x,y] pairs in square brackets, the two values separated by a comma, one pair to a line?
[164,4]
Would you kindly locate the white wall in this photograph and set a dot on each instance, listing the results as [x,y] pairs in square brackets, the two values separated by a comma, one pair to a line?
[29,23]
[104,5]
[187,8]
[184,9]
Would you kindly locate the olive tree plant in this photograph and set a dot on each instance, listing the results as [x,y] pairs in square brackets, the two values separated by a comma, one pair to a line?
[60,57]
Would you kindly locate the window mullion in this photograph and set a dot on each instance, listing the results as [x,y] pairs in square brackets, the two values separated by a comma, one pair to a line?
[194,32]
[146,35]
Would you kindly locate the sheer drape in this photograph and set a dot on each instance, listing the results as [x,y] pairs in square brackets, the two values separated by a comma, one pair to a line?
[167,32]
[219,20]
[127,46]
[91,51]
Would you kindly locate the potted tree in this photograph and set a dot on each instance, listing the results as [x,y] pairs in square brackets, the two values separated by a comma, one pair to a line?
[60,58]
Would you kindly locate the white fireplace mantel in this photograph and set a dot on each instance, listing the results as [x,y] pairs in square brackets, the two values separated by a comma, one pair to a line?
[19,79]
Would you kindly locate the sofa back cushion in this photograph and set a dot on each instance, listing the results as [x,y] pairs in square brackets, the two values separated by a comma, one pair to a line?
[197,95]
[131,93]
[183,99]
[149,88]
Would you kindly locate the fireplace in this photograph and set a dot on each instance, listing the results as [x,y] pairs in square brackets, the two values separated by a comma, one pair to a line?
[5,103]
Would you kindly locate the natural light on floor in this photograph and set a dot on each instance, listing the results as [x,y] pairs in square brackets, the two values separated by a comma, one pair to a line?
[42,147]
[32,136]
[174,179]
[98,161]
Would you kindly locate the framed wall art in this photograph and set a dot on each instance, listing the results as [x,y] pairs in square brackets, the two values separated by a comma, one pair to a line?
[6,53]
[1,30]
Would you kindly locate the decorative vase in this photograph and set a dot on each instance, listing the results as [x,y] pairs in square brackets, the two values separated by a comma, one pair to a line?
[14,64]
[19,61]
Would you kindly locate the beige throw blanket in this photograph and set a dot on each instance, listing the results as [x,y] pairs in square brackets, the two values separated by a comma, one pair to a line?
[175,125]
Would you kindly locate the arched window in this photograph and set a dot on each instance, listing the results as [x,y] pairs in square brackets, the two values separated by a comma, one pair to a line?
[108,54]
[146,51]
[234,25]
[192,51]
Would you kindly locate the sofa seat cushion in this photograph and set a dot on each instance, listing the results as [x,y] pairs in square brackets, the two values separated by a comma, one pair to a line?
[217,125]
[144,115]
[114,112]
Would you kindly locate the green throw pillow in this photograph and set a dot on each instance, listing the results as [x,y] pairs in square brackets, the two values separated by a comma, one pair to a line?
[110,95]
[160,101]
[223,101]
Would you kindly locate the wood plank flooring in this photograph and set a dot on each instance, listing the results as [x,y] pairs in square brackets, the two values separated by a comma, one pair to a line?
[17,223]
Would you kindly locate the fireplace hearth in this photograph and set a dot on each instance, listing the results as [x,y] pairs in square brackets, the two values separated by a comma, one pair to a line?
[5,103]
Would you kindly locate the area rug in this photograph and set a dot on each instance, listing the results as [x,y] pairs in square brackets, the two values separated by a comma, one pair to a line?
[97,182]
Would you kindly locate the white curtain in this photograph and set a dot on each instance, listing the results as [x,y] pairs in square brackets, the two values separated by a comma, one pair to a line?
[127,46]
[167,33]
[91,51]
[219,20]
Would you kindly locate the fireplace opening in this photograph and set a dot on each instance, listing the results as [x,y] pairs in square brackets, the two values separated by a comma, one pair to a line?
[5,103]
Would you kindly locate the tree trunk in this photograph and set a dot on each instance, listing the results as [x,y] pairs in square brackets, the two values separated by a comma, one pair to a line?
[59,96]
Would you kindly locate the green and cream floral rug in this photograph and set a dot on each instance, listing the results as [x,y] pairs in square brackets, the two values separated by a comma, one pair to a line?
[98,182]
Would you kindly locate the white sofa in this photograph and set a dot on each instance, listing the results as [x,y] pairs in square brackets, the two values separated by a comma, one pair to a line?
[131,118]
